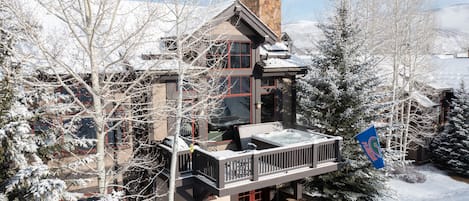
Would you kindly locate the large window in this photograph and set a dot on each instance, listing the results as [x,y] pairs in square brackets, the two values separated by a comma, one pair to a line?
[80,93]
[271,101]
[235,108]
[255,195]
[236,105]
[232,54]
[115,133]
[85,128]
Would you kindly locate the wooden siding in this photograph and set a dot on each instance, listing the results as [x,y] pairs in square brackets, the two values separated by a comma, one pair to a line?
[160,128]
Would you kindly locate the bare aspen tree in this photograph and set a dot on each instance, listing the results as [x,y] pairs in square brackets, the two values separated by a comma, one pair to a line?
[105,56]
[419,39]
[84,49]
[400,32]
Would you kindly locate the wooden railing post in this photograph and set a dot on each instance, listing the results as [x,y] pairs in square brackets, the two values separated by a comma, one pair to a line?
[194,163]
[178,165]
[255,167]
[315,156]
[221,173]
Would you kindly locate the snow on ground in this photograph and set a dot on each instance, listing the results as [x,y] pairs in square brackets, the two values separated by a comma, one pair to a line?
[438,186]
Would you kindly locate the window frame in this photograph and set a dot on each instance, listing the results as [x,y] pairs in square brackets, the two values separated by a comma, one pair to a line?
[227,54]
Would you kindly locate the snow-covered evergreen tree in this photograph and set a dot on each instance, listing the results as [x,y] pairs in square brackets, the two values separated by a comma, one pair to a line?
[338,97]
[26,176]
[451,148]
[23,175]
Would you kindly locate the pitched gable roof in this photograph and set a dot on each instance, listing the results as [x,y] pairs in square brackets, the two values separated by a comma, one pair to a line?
[58,37]
[255,22]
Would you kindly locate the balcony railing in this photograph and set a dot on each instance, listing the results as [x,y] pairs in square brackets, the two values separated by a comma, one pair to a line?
[252,165]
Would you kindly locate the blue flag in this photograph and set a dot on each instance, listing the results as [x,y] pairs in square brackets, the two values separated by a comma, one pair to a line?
[369,141]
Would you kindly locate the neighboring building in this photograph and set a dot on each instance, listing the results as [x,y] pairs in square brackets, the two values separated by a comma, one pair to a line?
[444,75]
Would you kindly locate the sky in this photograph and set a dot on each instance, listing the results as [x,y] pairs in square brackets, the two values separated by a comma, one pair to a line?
[295,10]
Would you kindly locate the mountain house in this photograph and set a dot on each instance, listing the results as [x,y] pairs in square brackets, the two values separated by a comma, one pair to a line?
[255,148]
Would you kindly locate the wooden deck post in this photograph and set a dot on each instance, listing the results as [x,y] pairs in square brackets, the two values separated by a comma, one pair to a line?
[178,165]
[297,190]
[194,162]
[315,156]
[255,167]
[221,173]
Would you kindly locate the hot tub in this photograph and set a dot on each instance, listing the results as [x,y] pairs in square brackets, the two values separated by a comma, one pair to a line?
[287,137]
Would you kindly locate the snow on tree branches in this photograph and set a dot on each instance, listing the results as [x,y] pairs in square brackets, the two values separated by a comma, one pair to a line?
[338,97]
[451,148]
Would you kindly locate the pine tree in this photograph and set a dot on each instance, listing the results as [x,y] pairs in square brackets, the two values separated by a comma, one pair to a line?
[23,174]
[451,148]
[336,98]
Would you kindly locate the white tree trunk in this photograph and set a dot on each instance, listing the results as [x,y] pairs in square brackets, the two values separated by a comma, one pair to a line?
[179,113]
[97,102]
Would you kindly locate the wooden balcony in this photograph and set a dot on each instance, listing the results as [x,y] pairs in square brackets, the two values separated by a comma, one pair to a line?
[229,172]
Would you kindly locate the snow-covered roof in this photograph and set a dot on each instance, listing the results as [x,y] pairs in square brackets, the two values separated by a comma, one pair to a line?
[422,100]
[278,56]
[276,50]
[448,72]
[160,23]
[279,46]
[192,19]
[463,55]
[438,185]
[292,62]
[159,19]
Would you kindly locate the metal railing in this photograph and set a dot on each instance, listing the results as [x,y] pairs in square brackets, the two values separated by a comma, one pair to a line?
[254,164]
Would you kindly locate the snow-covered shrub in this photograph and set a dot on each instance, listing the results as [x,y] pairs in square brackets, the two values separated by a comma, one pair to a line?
[407,173]
[413,177]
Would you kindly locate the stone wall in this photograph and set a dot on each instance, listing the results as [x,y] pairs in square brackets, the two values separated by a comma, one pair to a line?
[269,11]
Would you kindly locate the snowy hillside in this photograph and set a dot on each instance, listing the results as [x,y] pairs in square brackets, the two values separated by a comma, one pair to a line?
[453,18]
[303,33]
[451,24]
[452,29]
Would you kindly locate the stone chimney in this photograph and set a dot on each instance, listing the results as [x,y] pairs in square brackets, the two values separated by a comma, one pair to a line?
[269,11]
